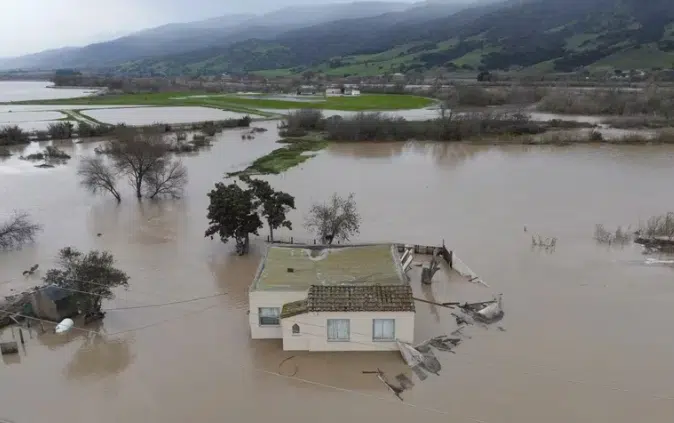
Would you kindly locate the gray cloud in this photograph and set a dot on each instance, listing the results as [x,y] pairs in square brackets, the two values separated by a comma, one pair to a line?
[29,26]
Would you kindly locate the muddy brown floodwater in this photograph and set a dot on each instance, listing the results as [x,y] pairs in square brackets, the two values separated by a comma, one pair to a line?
[588,328]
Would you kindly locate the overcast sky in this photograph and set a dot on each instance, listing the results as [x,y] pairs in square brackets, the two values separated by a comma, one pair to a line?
[29,26]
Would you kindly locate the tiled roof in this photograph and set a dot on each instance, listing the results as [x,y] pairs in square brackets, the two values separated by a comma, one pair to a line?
[360,298]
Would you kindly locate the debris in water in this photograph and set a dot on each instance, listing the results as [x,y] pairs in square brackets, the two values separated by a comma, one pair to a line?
[405,382]
[380,375]
[283,361]
[64,326]
[491,312]
[31,270]
[420,373]
[411,355]
[651,260]
[427,273]
[485,312]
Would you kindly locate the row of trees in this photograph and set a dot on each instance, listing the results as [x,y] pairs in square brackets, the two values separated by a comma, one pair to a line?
[237,210]
[144,157]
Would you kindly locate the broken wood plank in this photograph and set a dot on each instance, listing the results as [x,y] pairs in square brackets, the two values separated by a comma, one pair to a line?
[446,305]
[396,391]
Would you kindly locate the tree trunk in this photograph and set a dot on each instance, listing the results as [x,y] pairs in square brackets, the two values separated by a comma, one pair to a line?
[271,232]
[139,188]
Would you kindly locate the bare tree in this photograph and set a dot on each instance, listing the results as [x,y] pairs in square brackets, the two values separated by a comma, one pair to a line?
[167,179]
[336,219]
[137,154]
[17,231]
[97,176]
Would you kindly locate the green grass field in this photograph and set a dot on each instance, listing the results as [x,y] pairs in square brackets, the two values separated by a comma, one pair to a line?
[362,102]
[250,105]
[648,56]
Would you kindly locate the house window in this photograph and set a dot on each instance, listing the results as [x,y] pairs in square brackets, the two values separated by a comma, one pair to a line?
[296,329]
[269,316]
[339,330]
[383,330]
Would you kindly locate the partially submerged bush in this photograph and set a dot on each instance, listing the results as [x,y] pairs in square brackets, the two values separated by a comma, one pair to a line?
[41,135]
[659,227]
[210,129]
[60,130]
[650,101]
[300,122]
[55,153]
[85,129]
[639,122]
[478,96]
[50,152]
[381,127]
[619,236]
[12,134]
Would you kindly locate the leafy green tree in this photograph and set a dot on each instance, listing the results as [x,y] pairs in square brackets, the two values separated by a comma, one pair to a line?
[90,276]
[232,213]
[273,205]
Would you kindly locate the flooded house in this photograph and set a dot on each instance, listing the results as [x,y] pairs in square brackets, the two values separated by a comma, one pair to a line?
[332,298]
[53,303]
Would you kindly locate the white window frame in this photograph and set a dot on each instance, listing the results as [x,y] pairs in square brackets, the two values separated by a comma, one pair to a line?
[260,316]
[375,338]
[348,328]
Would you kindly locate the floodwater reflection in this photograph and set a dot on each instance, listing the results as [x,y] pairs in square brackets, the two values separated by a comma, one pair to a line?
[99,357]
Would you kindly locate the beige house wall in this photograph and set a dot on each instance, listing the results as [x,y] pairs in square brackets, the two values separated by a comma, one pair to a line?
[313,335]
[257,299]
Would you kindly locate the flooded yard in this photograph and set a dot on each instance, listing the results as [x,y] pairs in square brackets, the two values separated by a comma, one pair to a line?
[148,115]
[19,117]
[587,335]
[31,90]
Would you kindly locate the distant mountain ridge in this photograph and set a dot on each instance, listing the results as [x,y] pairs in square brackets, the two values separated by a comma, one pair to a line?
[308,45]
[372,38]
[179,38]
[540,35]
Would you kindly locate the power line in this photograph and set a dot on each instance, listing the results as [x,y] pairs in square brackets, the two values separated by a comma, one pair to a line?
[167,304]
[612,388]
[374,346]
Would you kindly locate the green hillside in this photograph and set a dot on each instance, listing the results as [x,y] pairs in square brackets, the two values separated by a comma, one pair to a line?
[543,35]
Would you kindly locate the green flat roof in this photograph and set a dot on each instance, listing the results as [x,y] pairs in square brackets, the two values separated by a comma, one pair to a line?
[332,266]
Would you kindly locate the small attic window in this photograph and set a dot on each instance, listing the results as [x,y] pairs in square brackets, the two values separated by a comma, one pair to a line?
[296,329]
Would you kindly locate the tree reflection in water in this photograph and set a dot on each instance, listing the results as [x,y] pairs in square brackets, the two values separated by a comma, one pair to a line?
[99,357]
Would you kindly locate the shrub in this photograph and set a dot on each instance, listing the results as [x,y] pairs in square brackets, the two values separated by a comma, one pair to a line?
[650,101]
[10,135]
[303,120]
[60,130]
